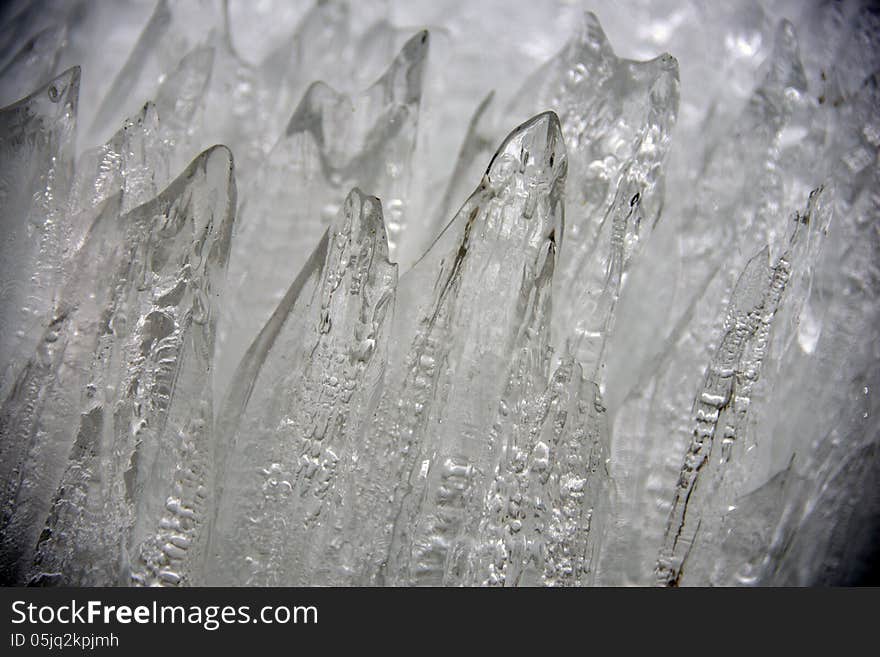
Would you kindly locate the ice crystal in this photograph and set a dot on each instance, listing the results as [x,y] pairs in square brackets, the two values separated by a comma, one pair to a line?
[496,303]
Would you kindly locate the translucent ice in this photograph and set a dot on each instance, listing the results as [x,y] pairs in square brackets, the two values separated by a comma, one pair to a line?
[133,493]
[36,412]
[291,424]
[36,165]
[616,116]
[332,143]
[173,30]
[542,519]
[35,62]
[426,453]
[744,215]
[724,405]
[676,385]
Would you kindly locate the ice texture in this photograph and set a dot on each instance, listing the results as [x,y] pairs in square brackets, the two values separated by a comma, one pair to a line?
[291,425]
[139,463]
[39,413]
[510,294]
[616,116]
[665,396]
[173,30]
[36,166]
[725,400]
[427,455]
[332,143]
[541,524]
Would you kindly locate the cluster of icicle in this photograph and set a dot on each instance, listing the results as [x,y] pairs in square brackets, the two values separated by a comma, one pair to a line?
[581,361]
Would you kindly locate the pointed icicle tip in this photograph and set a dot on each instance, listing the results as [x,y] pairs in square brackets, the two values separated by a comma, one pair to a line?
[786,68]
[665,90]
[362,217]
[319,98]
[667,64]
[148,114]
[413,54]
[417,46]
[219,171]
[216,163]
[749,289]
[65,88]
[591,35]
[404,75]
[218,158]
[535,149]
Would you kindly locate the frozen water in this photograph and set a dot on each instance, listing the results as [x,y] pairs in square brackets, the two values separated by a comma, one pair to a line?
[331,144]
[634,338]
[137,459]
[36,163]
[488,276]
[289,444]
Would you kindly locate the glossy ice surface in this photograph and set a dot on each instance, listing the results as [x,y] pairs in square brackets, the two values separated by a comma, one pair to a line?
[439,293]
